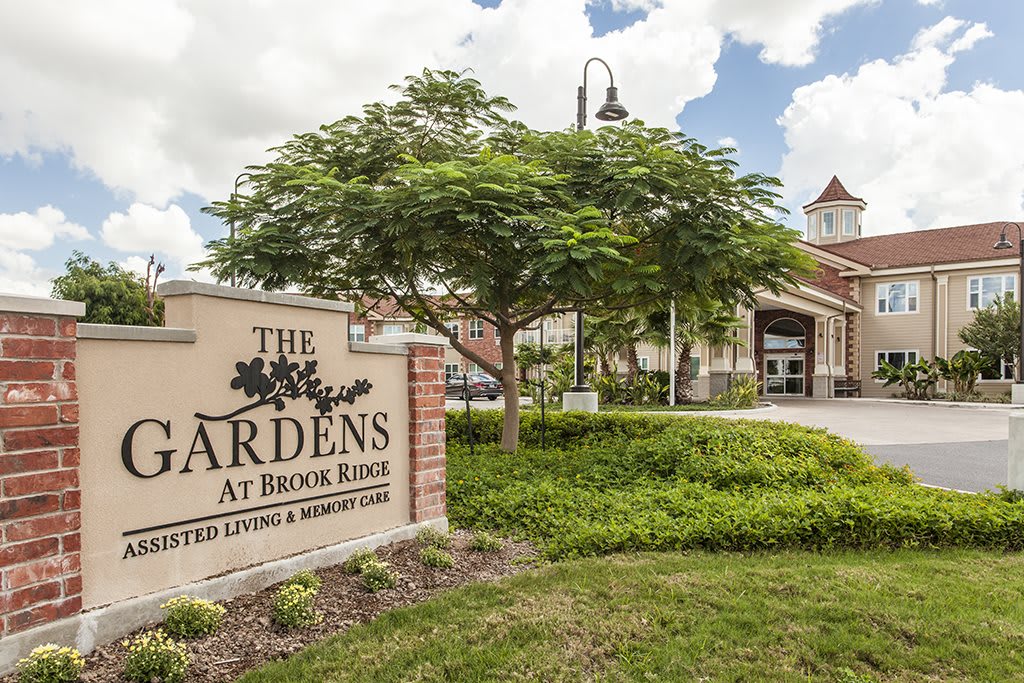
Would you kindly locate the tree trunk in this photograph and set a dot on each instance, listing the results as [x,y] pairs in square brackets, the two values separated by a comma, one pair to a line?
[510,389]
[684,385]
[632,363]
[606,364]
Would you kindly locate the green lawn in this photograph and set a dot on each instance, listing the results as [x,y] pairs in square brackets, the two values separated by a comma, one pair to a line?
[791,616]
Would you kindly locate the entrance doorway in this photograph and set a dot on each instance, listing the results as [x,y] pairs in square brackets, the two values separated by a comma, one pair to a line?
[784,375]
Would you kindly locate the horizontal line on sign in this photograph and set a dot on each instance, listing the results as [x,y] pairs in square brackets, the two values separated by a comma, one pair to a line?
[194,520]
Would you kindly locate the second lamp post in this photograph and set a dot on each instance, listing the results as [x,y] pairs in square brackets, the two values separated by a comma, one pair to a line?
[611,110]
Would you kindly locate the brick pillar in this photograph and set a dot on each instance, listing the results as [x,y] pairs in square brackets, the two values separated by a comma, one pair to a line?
[426,432]
[40,577]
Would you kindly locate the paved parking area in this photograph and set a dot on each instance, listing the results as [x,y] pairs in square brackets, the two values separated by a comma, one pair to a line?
[960,448]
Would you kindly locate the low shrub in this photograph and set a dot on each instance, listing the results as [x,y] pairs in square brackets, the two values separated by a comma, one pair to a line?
[188,617]
[293,606]
[743,392]
[51,663]
[429,536]
[715,484]
[562,429]
[484,542]
[432,556]
[357,561]
[306,579]
[154,656]
[377,576]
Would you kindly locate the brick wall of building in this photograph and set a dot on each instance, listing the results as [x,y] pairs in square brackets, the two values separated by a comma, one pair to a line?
[40,578]
[426,433]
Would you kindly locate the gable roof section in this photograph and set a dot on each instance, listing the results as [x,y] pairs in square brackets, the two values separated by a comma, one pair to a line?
[962,243]
[835,192]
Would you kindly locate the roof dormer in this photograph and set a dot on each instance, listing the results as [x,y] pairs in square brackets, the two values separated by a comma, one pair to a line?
[835,216]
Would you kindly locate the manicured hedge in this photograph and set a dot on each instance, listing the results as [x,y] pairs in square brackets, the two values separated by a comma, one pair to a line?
[670,483]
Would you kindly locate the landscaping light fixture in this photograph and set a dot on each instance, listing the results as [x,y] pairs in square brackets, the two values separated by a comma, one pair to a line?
[1004,243]
[611,110]
[234,194]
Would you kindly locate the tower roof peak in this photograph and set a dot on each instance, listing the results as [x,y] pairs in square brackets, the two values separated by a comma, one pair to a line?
[835,192]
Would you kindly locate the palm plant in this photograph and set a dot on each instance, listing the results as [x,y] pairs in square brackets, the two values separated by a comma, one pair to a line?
[697,322]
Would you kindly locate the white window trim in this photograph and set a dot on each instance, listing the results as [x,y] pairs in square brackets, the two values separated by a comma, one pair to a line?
[384,329]
[979,277]
[917,357]
[823,232]
[448,371]
[1002,366]
[853,221]
[454,327]
[916,283]
[476,329]
[812,226]
[352,336]
[644,363]
[473,369]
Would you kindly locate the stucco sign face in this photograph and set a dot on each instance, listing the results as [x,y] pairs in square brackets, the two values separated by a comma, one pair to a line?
[262,439]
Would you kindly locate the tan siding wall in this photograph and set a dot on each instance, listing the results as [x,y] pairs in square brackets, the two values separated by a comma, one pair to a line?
[894,331]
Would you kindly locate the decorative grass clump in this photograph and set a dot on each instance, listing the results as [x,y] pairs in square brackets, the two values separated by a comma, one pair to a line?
[432,556]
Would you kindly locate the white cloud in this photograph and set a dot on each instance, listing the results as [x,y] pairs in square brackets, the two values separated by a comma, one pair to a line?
[39,230]
[727,142]
[162,97]
[145,229]
[921,156]
[135,264]
[19,274]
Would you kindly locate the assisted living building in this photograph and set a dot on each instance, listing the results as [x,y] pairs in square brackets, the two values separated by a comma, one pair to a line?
[898,297]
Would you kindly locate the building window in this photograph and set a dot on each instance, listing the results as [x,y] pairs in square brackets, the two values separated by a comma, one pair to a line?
[897,297]
[982,291]
[784,333]
[999,370]
[497,333]
[897,359]
[357,333]
[449,370]
[476,329]
[828,223]
[848,225]
[453,327]
[499,365]
[812,226]
[645,362]
[473,368]
[392,329]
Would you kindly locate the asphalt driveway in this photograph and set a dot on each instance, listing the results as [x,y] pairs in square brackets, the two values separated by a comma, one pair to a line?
[959,448]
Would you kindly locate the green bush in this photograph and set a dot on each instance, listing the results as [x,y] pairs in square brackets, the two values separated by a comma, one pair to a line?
[293,606]
[154,656]
[562,430]
[711,483]
[51,664]
[429,536]
[192,617]
[306,579]
[357,561]
[377,576]
[744,392]
[484,542]
[432,556]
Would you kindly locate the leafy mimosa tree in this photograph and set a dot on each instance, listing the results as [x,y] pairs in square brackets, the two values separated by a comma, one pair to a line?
[443,204]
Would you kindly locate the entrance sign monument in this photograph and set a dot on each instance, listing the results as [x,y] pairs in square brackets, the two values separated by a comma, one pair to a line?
[244,440]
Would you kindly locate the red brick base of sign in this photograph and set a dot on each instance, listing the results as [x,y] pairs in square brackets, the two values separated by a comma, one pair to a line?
[40,577]
[426,433]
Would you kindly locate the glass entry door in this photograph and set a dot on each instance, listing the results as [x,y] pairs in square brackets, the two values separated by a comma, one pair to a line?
[784,375]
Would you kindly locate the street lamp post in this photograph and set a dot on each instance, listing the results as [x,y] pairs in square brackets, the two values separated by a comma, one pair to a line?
[1004,243]
[611,110]
[238,181]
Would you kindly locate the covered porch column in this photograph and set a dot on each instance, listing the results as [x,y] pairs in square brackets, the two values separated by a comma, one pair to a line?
[744,353]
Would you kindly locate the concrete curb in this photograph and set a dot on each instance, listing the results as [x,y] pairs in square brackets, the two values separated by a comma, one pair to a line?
[942,404]
[103,625]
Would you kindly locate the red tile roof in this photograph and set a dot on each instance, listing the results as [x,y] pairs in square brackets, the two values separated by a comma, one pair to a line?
[834,192]
[925,247]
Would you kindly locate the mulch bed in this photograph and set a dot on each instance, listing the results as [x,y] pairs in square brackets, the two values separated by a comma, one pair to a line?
[248,637]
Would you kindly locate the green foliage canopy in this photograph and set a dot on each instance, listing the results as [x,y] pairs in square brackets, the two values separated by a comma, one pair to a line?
[442,203]
[112,295]
[995,330]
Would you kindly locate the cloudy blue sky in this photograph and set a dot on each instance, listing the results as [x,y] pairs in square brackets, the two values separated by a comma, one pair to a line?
[120,119]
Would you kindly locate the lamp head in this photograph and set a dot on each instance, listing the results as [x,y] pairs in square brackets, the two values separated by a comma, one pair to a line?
[1003,243]
[612,109]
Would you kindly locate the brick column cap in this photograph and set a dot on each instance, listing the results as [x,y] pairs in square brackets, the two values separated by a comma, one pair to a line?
[410,339]
[17,303]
